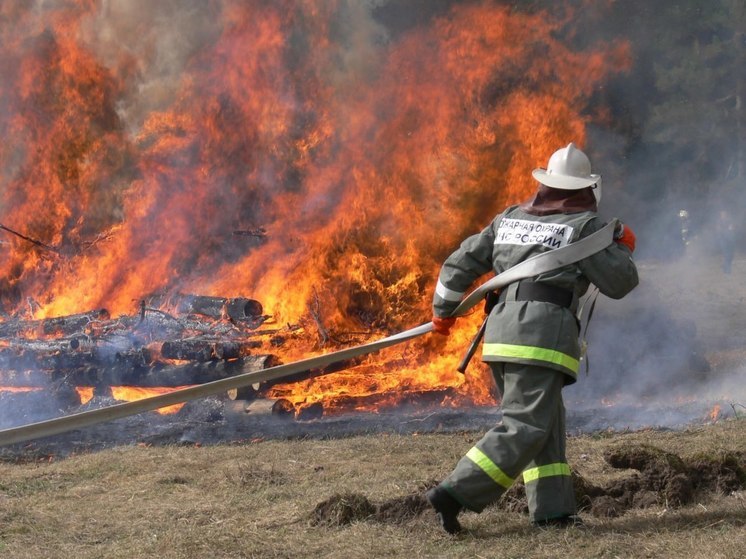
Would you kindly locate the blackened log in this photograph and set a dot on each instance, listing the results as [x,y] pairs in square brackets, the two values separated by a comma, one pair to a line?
[307,412]
[201,304]
[277,407]
[199,373]
[239,308]
[193,349]
[158,324]
[130,374]
[71,324]
[244,393]
[312,373]
[61,355]
[117,347]
[204,349]
[22,359]
[61,325]
[13,327]
[234,350]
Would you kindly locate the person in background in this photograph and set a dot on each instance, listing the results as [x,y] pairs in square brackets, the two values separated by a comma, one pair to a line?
[725,230]
[531,341]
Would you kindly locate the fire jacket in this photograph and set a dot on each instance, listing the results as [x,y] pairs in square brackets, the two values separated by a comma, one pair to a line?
[534,332]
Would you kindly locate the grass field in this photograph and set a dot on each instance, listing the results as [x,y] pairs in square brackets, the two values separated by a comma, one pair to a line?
[257,499]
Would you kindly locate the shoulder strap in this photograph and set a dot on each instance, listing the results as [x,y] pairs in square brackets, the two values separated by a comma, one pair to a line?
[541,263]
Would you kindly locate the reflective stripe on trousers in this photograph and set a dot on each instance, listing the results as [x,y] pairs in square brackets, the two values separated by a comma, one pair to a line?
[531,352]
[534,474]
[489,467]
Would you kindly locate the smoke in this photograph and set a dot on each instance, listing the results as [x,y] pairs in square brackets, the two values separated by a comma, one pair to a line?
[328,122]
[149,45]
[669,176]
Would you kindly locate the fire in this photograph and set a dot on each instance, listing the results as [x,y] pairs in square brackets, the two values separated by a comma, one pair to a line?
[85,393]
[365,157]
[715,413]
[132,393]
[20,389]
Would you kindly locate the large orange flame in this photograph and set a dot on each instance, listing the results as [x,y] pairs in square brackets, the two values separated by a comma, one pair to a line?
[365,157]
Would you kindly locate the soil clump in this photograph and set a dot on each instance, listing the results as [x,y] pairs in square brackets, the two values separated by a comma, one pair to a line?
[661,478]
[346,508]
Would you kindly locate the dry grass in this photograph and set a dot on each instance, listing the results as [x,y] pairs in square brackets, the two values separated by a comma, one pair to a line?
[256,500]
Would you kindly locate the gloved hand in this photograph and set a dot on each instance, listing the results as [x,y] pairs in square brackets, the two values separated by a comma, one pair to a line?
[625,236]
[442,325]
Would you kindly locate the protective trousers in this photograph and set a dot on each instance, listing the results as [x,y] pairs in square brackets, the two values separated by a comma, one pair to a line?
[530,439]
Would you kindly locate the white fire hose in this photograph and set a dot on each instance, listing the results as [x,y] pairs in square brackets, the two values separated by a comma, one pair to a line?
[534,266]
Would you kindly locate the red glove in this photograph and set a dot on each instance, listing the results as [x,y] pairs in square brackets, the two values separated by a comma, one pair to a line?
[443,325]
[626,237]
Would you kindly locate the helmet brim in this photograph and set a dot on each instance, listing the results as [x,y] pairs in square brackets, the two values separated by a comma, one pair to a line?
[564,182]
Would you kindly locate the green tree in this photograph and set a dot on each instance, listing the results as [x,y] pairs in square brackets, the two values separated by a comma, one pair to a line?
[697,123]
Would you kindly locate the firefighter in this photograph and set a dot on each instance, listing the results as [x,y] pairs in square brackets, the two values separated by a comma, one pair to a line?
[531,341]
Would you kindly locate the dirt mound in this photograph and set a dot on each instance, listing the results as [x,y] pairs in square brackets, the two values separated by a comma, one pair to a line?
[661,472]
[401,509]
[343,509]
[722,472]
[661,478]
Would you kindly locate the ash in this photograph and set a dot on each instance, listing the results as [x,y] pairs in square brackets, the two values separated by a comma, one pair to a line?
[213,421]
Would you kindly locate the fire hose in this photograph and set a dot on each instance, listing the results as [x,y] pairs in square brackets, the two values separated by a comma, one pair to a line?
[531,267]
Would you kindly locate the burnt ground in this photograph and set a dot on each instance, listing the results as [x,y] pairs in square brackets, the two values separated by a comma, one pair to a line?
[658,478]
[214,420]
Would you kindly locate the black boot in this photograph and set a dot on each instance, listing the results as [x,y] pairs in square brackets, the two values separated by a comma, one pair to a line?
[446,507]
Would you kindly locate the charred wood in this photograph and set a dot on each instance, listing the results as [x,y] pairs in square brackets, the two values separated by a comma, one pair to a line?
[243,393]
[193,349]
[239,308]
[205,349]
[308,412]
[13,327]
[234,350]
[199,373]
[277,407]
[313,373]
[60,355]
[61,325]
[132,373]
[73,323]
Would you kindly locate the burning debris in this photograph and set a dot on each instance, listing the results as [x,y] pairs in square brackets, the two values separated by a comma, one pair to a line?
[74,359]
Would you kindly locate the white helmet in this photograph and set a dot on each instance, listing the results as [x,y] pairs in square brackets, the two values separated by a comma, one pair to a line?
[569,169]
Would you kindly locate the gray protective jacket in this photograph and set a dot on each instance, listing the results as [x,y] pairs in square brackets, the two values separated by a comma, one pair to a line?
[534,332]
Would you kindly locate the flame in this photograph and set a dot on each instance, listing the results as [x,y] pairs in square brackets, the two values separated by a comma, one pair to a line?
[365,157]
[20,389]
[85,393]
[715,414]
[132,393]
